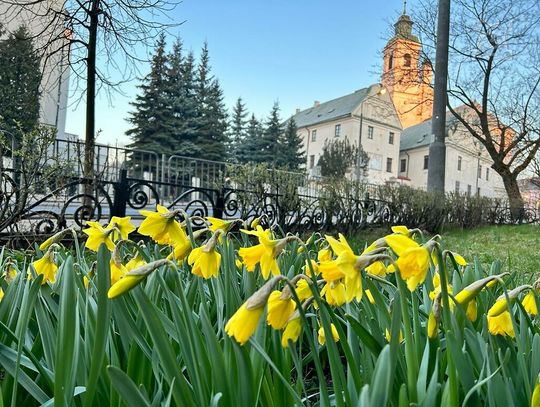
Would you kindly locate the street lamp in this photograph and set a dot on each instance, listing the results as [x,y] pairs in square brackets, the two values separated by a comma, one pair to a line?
[380,92]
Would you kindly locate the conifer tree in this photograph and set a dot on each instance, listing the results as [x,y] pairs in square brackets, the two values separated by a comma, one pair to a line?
[251,151]
[211,137]
[151,116]
[20,78]
[294,156]
[181,98]
[271,151]
[237,133]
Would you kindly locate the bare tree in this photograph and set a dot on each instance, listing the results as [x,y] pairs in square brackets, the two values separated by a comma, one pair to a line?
[494,78]
[103,38]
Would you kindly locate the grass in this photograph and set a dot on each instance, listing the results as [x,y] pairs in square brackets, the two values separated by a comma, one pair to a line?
[517,247]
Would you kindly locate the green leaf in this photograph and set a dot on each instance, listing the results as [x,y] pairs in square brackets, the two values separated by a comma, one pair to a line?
[129,392]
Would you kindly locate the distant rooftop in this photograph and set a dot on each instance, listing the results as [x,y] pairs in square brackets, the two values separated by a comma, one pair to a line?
[419,135]
[333,109]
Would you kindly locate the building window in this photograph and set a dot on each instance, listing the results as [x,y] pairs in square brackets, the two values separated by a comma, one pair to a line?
[375,162]
[403,165]
[313,135]
[457,187]
[391,138]
[370,132]
[388,165]
[487,174]
[478,191]
[391,61]
[469,188]
[426,162]
[407,60]
[338,130]
[311,161]
[459,159]
[479,174]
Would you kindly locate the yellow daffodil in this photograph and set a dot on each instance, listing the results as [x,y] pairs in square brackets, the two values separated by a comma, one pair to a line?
[437,288]
[122,225]
[205,260]
[98,235]
[432,326]
[389,338]
[10,273]
[400,243]
[322,338]
[242,325]
[292,330]
[161,226]
[314,267]
[501,324]
[370,297]
[402,230]
[529,303]
[324,255]
[118,270]
[53,239]
[46,267]
[134,277]
[265,253]
[535,399]
[238,263]
[303,290]
[1,294]
[377,269]
[413,265]
[135,262]
[224,225]
[460,260]
[279,309]
[335,293]
[472,311]
[471,291]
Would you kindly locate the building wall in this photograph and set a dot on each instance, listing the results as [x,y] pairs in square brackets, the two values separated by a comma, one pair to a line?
[488,184]
[377,113]
[55,68]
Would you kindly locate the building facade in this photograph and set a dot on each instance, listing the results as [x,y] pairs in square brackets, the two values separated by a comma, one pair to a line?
[366,117]
[51,39]
[468,165]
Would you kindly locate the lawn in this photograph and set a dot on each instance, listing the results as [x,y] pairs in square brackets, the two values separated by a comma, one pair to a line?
[518,247]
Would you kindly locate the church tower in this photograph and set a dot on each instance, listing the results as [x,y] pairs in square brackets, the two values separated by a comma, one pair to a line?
[407,79]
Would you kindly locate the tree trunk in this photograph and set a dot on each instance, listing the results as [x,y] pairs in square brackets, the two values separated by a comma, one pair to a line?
[514,197]
[89,141]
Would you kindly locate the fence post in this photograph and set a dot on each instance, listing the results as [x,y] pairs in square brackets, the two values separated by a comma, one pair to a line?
[121,195]
[220,204]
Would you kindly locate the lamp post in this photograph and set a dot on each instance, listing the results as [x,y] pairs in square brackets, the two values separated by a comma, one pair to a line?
[437,149]
[380,92]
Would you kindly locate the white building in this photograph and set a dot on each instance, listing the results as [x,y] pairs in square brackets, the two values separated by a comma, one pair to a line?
[52,40]
[366,117]
[468,164]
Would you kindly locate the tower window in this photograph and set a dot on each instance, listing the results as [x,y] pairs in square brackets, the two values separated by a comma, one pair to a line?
[391,61]
[407,60]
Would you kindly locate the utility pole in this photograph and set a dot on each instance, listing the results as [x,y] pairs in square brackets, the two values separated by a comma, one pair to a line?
[437,149]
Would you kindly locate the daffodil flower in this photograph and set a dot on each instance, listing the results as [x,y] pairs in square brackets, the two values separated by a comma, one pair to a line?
[161,226]
[280,308]
[321,337]
[265,253]
[501,324]
[529,303]
[122,225]
[292,330]
[205,260]
[134,277]
[46,267]
[97,235]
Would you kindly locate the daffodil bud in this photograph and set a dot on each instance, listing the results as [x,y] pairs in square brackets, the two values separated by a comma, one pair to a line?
[472,290]
[501,305]
[134,277]
[260,297]
[53,239]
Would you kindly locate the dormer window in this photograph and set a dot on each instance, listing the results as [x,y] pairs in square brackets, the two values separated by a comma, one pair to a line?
[407,60]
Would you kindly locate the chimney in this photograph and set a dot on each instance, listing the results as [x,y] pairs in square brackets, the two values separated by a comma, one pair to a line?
[297,110]
[316,103]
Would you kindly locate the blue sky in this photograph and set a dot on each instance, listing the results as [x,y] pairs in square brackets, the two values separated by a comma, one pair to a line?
[293,52]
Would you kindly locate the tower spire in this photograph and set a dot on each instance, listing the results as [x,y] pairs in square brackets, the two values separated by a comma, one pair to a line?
[404,6]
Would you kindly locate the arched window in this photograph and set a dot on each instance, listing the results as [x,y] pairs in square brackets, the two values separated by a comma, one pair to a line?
[407,60]
[391,61]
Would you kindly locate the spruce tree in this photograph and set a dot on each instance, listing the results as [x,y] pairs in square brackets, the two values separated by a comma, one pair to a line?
[238,133]
[211,137]
[251,151]
[271,149]
[20,78]
[180,93]
[152,114]
[294,156]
